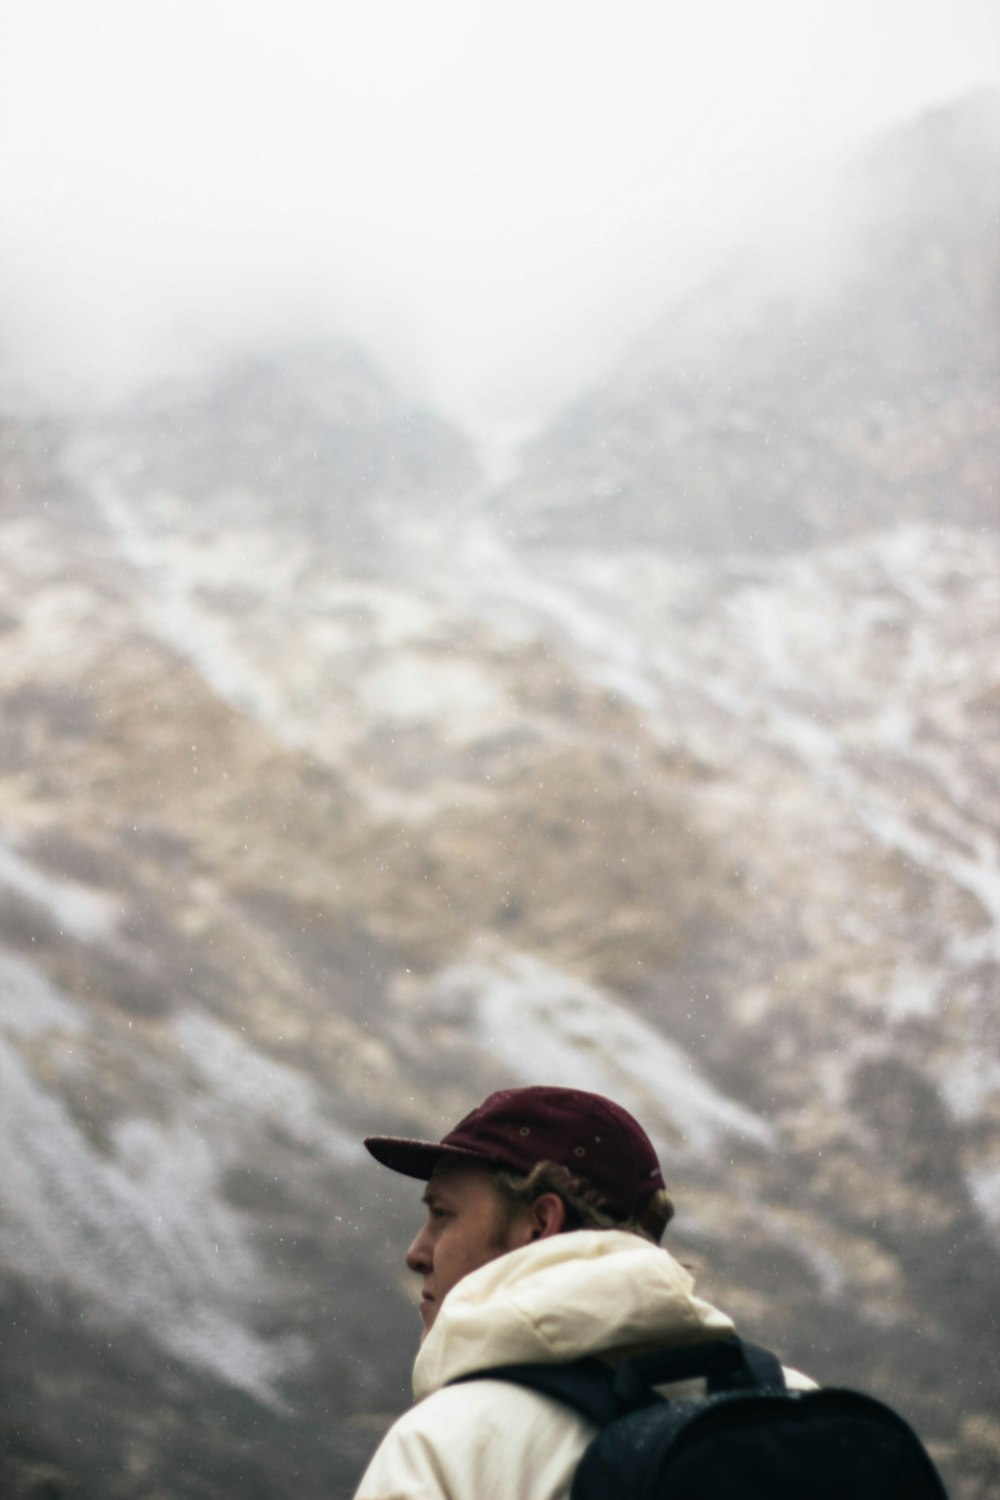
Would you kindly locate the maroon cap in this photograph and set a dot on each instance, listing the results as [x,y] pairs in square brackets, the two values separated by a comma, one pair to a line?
[590,1136]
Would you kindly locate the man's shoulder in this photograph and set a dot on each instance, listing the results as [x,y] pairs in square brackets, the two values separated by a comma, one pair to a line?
[481,1437]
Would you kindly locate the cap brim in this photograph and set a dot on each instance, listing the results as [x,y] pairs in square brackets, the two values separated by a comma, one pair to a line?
[419,1158]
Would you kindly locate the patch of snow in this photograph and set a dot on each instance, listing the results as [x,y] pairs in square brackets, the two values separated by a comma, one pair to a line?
[30,1005]
[894,727]
[179,622]
[142,1232]
[904,554]
[245,557]
[830,1274]
[725,695]
[971,1083]
[75,909]
[244,1080]
[455,693]
[610,655]
[544,1024]
[977,871]
[809,740]
[984,1184]
[398,615]
[764,624]
[913,992]
[325,637]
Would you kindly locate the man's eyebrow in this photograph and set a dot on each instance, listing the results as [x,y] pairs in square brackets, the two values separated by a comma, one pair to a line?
[431,1195]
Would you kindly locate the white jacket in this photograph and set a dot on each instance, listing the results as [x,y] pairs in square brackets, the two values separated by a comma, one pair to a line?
[599,1292]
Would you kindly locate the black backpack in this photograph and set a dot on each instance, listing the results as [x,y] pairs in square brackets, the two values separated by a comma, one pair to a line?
[747,1438]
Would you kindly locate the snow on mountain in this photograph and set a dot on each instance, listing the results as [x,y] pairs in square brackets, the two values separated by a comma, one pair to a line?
[540,1023]
[84,913]
[727,829]
[148,1238]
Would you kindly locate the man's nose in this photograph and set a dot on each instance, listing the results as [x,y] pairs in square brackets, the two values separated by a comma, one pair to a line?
[418,1257]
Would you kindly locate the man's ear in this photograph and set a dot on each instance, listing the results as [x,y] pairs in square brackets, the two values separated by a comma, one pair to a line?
[548,1215]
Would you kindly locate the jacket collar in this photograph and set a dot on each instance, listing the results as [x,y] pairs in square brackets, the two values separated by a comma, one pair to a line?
[588,1292]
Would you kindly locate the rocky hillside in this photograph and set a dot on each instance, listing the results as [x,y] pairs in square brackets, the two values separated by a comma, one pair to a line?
[326,805]
[851,380]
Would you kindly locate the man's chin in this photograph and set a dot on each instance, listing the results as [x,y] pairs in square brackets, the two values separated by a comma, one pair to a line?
[428,1312]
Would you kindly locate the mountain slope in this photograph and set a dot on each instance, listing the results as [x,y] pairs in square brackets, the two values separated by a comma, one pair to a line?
[326,806]
[851,382]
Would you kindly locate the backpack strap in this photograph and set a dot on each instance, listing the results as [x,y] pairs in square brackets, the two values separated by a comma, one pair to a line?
[587,1385]
[602,1392]
[727,1364]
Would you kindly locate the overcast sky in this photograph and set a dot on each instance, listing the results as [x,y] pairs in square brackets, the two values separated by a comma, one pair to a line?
[493,196]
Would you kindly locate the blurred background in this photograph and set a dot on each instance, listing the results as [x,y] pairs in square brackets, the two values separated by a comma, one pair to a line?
[499,582]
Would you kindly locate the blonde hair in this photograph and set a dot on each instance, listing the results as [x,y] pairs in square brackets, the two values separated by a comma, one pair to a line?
[583,1203]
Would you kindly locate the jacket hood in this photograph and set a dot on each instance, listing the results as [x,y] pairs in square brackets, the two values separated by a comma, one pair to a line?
[584,1293]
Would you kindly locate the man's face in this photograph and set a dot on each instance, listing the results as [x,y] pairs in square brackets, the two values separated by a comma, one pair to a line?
[465,1229]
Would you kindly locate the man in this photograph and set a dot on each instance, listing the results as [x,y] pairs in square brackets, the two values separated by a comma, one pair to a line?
[544,1211]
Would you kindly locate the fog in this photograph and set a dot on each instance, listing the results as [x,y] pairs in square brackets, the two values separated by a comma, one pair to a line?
[492,199]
